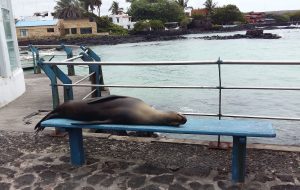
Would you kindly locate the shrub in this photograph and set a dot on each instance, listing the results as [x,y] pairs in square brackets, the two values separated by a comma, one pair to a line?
[141,26]
[279,18]
[198,16]
[104,24]
[157,25]
[216,27]
[185,22]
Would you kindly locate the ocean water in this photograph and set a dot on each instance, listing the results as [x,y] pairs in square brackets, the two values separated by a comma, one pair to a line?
[245,102]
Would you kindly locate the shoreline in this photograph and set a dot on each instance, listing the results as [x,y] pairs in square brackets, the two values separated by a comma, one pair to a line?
[143,37]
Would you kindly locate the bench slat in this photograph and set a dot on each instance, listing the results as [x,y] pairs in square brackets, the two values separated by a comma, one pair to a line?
[193,126]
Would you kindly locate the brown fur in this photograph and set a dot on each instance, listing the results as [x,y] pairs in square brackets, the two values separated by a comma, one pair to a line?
[114,110]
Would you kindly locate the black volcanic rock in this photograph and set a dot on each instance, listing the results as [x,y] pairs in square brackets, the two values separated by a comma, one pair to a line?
[250,34]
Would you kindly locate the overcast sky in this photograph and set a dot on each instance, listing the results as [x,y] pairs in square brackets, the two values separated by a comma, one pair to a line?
[28,7]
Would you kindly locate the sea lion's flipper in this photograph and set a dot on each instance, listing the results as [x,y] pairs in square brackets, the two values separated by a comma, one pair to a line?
[104,99]
[50,115]
[93,122]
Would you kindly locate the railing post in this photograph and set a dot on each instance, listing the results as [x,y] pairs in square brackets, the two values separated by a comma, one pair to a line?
[35,59]
[95,57]
[51,74]
[68,90]
[95,79]
[219,62]
[69,52]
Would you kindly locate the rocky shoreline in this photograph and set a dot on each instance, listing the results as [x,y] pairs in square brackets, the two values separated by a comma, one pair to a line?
[103,40]
[250,34]
[143,37]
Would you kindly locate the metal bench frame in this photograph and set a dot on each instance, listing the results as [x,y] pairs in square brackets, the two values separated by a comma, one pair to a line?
[240,131]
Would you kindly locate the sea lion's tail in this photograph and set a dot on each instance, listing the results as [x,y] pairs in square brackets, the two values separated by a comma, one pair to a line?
[50,115]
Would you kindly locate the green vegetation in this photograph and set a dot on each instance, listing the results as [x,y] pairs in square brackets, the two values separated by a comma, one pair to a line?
[90,5]
[141,26]
[185,22]
[295,16]
[68,9]
[182,3]
[210,7]
[104,24]
[114,7]
[157,25]
[164,10]
[279,18]
[227,14]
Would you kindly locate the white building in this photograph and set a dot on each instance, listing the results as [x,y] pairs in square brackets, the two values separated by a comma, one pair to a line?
[12,83]
[188,11]
[123,20]
[45,15]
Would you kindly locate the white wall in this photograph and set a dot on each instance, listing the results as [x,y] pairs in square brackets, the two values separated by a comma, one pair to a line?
[123,21]
[12,83]
[12,87]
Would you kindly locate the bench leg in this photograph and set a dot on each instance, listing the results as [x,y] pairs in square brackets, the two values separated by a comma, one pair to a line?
[239,159]
[76,146]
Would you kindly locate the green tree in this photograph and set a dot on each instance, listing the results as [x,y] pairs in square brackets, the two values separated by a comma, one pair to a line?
[295,16]
[114,8]
[210,7]
[183,3]
[164,10]
[227,15]
[185,22]
[278,18]
[141,26]
[104,24]
[157,25]
[91,4]
[68,9]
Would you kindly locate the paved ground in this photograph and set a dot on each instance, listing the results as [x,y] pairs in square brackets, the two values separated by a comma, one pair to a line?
[42,162]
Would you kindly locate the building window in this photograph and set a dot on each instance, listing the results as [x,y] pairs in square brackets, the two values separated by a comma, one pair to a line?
[6,23]
[9,40]
[67,31]
[73,30]
[128,26]
[86,30]
[23,32]
[50,29]
[118,20]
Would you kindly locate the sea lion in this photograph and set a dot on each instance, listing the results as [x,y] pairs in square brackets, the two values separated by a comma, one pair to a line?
[114,109]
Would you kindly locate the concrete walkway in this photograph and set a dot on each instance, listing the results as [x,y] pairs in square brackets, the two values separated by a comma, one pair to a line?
[42,162]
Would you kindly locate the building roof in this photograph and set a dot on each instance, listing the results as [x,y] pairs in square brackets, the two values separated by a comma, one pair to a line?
[24,23]
[199,12]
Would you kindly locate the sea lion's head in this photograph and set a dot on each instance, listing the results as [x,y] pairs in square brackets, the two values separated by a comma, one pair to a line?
[176,119]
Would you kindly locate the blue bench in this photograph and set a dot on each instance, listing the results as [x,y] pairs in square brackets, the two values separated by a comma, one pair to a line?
[239,129]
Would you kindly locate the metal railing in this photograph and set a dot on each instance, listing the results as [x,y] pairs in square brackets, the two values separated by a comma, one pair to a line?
[100,84]
[219,63]
[50,46]
[36,55]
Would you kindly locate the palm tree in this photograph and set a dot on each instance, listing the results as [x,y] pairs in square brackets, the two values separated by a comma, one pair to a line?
[114,8]
[91,4]
[95,3]
[183,3]
[68,9]
[210,7]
